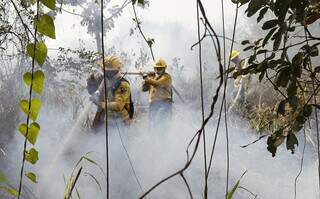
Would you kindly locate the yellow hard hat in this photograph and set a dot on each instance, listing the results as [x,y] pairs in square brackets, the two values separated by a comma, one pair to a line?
[112,63]
[160,63]
[234,54]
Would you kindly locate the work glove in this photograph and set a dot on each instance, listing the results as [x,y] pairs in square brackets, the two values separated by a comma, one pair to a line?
[94,98]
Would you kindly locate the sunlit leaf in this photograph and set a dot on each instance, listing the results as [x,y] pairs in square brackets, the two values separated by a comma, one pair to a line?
[234,188]
[40,54]
[49,3]
[33,132]
[34,109]
[45,25]
[32,156]
[10,191]
[32,177]
[38,81]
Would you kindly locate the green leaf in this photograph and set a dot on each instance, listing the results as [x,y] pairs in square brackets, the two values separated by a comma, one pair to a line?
[261,76]
[45,26]
[248,48]
[141,2]
[281,8]
[262,12]
[49,3]
[262,52]
[307,110]
[38,81]
[40,54]
[89,159]
[10,191]
[242,2]
[282,107]
[244,42]
[293,101]
[314,51]
[267,38]
[297,59]
[277,40]
[269,24]
[33,132]
[291,142]
[292,88]
[32,177]
[234,188]
[297,126]
[271,147]
[34,109]
[150,42]
[254,6]
[283,77]
[32,156]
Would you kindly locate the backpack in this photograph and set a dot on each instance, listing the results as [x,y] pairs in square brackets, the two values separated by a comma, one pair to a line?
[115,86]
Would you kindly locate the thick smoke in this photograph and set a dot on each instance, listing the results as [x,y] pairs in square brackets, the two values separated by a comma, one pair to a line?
[157,153]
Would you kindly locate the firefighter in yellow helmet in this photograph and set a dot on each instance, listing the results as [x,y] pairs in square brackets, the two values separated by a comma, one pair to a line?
[242,81]
[159,86]
[119,102]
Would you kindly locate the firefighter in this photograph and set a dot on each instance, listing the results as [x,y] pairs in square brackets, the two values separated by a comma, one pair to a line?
[242,81]
[159,86]
[119,102]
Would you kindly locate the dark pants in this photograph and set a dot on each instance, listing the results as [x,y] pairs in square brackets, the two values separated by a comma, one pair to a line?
[160,113]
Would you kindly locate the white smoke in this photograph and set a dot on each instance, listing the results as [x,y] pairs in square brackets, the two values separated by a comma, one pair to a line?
[158,153]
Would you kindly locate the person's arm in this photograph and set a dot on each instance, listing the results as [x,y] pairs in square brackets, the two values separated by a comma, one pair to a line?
[93,83]
[165,80]
[122,95]
[145,86]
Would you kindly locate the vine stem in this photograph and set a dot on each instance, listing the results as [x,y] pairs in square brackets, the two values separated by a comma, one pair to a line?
[140,30]
[29,105]
[225,90]
[105,99]
[202,106]
[212,107]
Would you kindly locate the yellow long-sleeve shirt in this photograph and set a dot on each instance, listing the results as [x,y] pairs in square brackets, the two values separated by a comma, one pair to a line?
[159,87]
